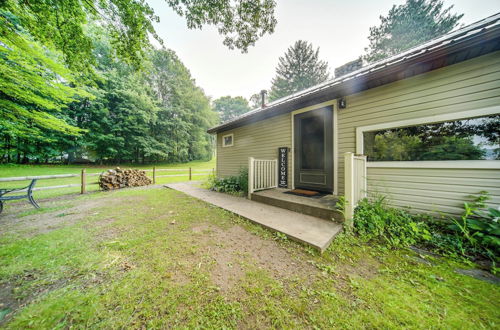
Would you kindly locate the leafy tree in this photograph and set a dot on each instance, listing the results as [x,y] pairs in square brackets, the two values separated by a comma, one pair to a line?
[34,90]
[185,113]
[240,22]
[157,114]
[62,24]
[409,25]
[297,70]
[230,107]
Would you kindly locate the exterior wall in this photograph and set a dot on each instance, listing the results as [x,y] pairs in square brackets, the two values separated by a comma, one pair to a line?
[470,85]
[428,190]
[259,140]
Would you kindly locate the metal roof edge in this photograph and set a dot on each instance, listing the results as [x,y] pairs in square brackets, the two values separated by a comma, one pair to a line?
[466,33]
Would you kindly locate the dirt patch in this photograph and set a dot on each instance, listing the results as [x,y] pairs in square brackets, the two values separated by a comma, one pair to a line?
[365,267]
[232,250]
[11,301]
[40,223]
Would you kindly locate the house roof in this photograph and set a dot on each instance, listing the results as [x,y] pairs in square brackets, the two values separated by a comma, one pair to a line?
[471,41]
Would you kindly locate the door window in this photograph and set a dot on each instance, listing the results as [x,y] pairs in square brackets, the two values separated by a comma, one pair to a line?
[312,131]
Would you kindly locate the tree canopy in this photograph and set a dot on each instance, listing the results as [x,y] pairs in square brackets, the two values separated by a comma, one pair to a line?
[408,25]
[61,24]
[297,70]
[34,87]
[156,114]
[71,84]
[230,107]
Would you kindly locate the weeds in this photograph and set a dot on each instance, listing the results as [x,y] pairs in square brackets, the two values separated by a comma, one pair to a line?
[476,234]
[232,184]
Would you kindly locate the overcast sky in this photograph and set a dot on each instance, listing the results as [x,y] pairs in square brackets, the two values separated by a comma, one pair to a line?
[339,28]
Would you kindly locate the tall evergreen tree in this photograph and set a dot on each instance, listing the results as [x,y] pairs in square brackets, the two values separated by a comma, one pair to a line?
[230,107]
[298,69]
[409,25]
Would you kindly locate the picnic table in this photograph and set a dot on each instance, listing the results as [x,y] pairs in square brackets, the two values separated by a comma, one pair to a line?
[29,194]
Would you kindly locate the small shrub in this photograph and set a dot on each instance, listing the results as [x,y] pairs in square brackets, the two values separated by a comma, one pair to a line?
[396,227]
[478,230]
[243,179]
[232,184]
[475,235]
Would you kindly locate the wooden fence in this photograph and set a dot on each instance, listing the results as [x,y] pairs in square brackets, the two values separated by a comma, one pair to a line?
[190,173]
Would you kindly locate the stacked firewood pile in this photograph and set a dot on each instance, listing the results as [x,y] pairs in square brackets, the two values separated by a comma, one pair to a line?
[118,178]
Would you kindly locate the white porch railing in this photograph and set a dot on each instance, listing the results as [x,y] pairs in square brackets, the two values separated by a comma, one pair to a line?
[262,174]
[355,183]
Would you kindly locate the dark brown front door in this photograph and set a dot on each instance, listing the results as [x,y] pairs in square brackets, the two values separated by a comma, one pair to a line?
[313,154]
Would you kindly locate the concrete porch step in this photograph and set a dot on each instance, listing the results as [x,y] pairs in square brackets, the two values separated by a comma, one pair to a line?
[311,230]
[323,207]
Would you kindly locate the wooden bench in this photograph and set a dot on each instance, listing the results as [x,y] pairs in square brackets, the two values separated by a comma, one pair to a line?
[29,195]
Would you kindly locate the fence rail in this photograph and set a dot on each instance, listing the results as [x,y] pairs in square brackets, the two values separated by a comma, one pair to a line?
[355,183]
[83,177]
[262,174]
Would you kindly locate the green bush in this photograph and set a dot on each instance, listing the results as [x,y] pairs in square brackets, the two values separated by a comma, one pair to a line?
[232,184]
[476,234]
[479,229]
[396,227]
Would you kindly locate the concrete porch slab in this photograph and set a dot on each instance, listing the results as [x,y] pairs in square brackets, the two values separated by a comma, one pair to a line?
[321,207]
[303,228]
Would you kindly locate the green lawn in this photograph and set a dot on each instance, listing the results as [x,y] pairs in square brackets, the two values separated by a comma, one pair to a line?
[155,258]
[13,170]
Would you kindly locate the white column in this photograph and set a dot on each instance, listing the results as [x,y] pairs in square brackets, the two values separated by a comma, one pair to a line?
[349,187]
[250,177]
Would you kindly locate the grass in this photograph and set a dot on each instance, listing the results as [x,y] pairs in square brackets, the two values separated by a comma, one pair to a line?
[147,260]
[15,170]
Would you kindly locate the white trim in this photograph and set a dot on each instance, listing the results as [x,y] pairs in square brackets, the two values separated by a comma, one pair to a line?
[449,164]
[331,103]
[224,145]
[468,164]
[335,150]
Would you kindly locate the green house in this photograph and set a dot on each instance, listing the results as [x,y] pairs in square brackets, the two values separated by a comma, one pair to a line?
[421,127]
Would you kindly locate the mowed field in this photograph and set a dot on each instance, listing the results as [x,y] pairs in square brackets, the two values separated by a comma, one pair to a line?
[14,170]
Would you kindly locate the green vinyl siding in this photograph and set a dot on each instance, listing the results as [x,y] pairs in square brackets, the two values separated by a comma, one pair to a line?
[433,190]
[260,140]
[469,85]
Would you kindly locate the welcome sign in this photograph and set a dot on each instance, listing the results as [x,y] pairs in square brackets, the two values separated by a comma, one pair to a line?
[283,167]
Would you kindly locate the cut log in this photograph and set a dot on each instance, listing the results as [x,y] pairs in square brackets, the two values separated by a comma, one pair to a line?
[118,178]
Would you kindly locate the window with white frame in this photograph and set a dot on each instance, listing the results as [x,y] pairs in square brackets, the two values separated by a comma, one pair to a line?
[476,138]
[228,140]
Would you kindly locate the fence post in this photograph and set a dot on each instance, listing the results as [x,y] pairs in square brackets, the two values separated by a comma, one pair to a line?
[190,174]
[213,171]
[348,188]
[84,181]
[154,174]
[250,176]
